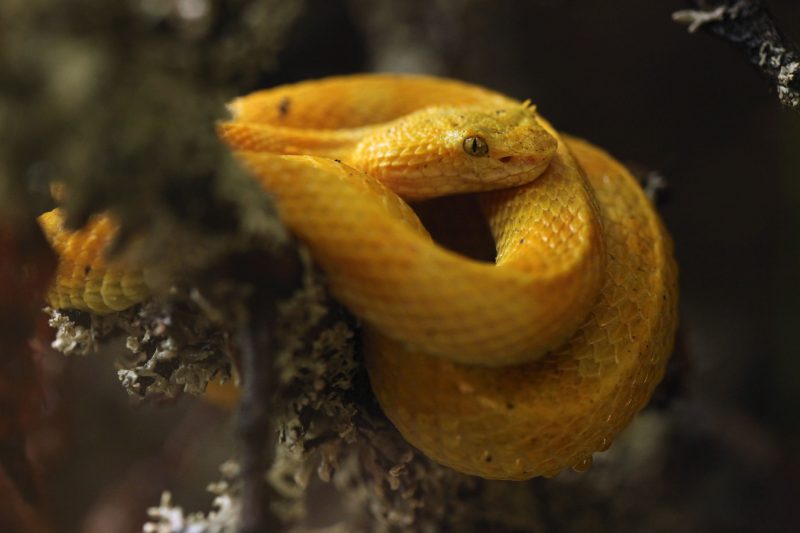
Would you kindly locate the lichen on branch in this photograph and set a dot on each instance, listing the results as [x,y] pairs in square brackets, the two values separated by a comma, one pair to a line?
[750,26]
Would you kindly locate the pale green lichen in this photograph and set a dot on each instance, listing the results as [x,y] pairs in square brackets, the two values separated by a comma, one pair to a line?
[168,351]
[71,338]
[222,518]
[694,19]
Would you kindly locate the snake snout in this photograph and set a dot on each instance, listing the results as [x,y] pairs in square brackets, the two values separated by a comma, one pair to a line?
[506,158]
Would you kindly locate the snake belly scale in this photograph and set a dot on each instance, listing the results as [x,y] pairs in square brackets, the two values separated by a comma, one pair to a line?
[511,369]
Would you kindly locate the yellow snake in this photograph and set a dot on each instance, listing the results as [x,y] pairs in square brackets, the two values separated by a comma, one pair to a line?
[509,369]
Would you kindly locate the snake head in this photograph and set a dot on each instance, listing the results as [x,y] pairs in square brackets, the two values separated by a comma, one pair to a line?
[439,151]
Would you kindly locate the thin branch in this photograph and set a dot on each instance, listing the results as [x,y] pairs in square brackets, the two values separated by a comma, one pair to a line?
[749,25]
[254,421]
[273,277]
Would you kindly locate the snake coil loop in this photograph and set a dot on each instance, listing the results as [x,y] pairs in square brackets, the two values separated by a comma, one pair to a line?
[511,369]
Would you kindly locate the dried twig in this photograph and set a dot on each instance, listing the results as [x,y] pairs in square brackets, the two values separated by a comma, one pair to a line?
[254,424]
[749,25]
[259,343]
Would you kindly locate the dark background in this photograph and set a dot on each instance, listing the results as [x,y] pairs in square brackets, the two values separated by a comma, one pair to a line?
[623,75]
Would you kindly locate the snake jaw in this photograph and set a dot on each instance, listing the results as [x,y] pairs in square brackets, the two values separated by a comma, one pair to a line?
[423,180]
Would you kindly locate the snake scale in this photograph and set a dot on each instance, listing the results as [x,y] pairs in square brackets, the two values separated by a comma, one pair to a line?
[507,369]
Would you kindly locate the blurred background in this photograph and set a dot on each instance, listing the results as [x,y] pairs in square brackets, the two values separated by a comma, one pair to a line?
[621,74]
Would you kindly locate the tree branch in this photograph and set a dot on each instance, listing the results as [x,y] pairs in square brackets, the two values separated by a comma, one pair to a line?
[273,277]
[749,25]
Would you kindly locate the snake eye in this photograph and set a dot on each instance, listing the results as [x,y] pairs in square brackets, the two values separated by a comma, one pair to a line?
[476,146]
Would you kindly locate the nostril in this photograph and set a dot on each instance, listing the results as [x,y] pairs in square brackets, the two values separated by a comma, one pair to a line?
[506,159]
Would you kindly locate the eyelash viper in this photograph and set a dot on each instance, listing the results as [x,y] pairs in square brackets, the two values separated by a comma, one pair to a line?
[507,370]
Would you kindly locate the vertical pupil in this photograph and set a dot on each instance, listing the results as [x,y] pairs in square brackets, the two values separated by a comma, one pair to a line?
[475,146]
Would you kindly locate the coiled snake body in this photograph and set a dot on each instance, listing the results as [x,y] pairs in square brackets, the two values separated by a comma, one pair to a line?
[510,369]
